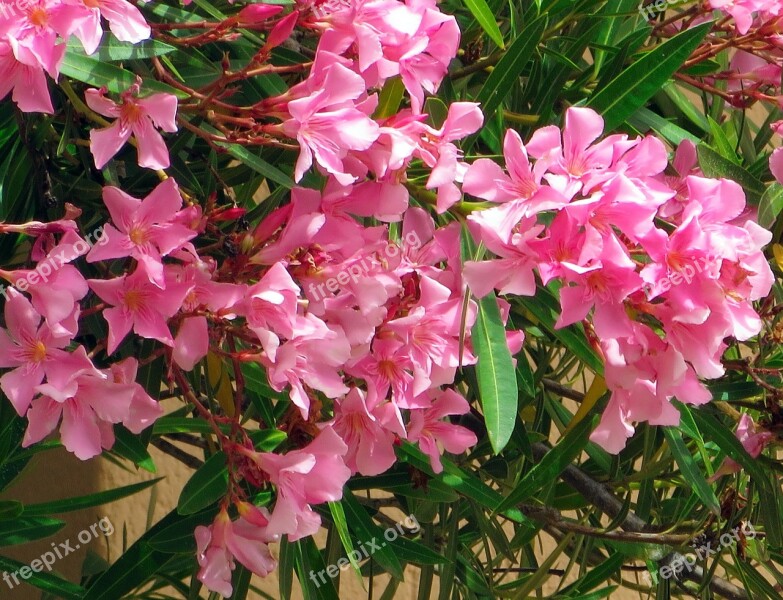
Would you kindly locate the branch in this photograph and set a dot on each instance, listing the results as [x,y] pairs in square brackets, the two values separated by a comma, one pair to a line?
[610,505]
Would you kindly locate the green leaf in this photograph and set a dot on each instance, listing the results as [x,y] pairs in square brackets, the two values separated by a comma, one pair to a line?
[506,73]
[461,481]
[81,502]
[366,530]
[714,165]
[128,445]
[47,582]
[26,529]
[390,98]
[95,72]
[690,470]
[549,468]
[10,509]
[113,50]
[178,537]
[545,308]
[770,205]
[497,380]
[632,88]
[341,524]
[486,19]
[207,485]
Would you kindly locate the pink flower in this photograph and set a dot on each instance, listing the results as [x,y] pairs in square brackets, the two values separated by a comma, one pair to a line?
[428,428]
[328,125]
[138,304]
[245,540]
[369,434]
[137,117]
[89,404]
[507,234]
[312,475]
[33,352]
[125,21]
[443,157]
[143,410]
[485,179]
[752,440]
[143,229]
[56,286]
[26,80]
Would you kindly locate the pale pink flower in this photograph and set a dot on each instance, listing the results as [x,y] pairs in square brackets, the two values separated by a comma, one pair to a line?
[312,475]
[245,540]
[33,352]
[432,432]
[143,229]
[369,434]
[138,304]
[125,22]
[753,440]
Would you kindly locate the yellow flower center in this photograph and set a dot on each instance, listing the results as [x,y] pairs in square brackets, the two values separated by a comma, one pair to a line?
[38,352]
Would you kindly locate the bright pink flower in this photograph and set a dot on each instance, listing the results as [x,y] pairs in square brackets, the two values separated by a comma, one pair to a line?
[137,117]
[570,156]
[33,352]
[369,434]
[328,125]
[245,540]
[506,233]
[89,404]
[431,431]
[136,303]
[312,360]
[191,343]
[485,179]
[312,475]
[272,308]
[443,157]
[143,229]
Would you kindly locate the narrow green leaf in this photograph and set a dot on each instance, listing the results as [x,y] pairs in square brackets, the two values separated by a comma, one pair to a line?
[366,530]
[81,502]
[497,380]
[770,205]
[27,529]
[506,73]
[549,467]
[632,88]
[206,486]
[486,19]
[45,581]
[714,165]
[690,470]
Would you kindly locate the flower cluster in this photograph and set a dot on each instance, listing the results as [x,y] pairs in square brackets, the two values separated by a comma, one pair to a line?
[371,359]
[33,35]
[601,223]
